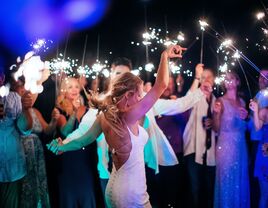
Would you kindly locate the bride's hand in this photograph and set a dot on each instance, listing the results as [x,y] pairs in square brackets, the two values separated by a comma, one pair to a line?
[54,146]
[174,51]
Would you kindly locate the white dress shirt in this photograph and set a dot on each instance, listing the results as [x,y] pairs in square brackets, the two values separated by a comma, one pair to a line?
[194,136]
[158,150]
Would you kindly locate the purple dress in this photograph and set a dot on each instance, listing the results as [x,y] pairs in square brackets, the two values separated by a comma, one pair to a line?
[232,180]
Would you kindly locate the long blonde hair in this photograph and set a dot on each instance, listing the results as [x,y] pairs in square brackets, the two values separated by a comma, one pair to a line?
[108,105]
[62,102]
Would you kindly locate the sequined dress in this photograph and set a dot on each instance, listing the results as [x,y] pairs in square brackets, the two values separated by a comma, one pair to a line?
[232,180]
[127,185]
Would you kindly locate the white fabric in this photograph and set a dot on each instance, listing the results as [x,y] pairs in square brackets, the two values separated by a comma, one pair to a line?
[172,107]
[102,146]
[127,185]
[194,136]
[158,150]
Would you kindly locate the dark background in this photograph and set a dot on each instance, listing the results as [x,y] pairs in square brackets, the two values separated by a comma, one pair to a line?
[124,21]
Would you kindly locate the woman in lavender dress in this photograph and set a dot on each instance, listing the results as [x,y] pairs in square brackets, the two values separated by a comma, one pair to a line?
[232,181]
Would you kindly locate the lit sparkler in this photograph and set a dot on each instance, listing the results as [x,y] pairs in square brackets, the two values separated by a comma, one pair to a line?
[175,69]
[181,37]
[32,68]
[260,15]
[4,90]
[61,65]
[149,67]
[41,44]
[203,24]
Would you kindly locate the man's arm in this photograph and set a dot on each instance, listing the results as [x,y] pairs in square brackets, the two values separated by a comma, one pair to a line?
[180,105]
[85,124]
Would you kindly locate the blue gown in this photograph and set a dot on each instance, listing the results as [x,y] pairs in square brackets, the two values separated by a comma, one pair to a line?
[232,180]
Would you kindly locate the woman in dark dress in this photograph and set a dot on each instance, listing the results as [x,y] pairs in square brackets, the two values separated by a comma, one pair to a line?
[77,168]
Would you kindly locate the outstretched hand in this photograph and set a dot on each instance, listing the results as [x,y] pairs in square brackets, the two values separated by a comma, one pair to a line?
[55,146]
[174,51]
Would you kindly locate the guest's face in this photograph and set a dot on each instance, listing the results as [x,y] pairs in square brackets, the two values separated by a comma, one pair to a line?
[72,89]
[231,82]
[117,70]
[207,76]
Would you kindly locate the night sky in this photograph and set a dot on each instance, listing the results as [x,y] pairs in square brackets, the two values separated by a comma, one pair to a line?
[124,21]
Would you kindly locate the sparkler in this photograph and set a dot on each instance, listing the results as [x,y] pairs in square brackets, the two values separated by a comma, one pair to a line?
[180,37]
[84,71]
[4,90]
[60,65]
[136,72]
[41,44]
[31,68]
[149,67]
[260,15]
[203,24]
[229,43]
[174,68]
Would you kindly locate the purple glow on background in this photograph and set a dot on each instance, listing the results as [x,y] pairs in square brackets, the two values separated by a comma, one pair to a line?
[79,10]
[21,22]
[84,13]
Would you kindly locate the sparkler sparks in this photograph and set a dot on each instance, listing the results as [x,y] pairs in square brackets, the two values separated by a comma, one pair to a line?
[203,24]
[41,44]
[61,65]
[180,36]
[260,15]
[32,68]
[84,71]
[174,68]
[149,67]
[4,90]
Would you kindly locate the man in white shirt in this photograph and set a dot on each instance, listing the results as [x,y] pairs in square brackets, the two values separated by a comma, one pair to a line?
[199,147]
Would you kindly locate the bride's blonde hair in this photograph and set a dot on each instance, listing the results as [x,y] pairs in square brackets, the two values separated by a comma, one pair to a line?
[108,104]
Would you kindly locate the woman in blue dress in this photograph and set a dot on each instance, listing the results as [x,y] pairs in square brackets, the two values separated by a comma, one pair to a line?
[261,165]
[232,180]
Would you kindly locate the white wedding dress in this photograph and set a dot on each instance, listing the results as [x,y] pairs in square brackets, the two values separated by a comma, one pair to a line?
[127,185]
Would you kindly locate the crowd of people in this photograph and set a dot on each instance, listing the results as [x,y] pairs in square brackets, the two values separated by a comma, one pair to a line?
[124,143]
